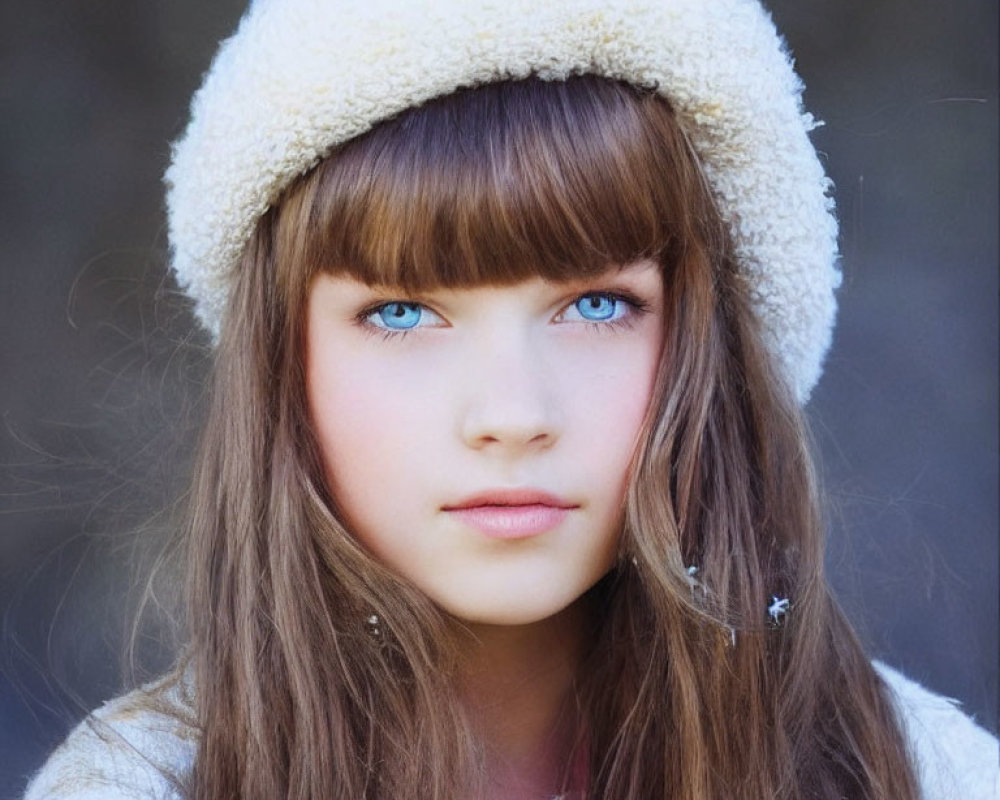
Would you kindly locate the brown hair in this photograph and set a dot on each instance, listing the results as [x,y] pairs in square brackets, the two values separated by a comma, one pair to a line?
[686,691]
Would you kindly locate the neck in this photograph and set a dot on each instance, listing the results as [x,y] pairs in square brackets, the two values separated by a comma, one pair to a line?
[517,683]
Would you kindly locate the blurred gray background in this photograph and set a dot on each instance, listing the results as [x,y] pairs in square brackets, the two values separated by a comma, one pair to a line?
[99,387]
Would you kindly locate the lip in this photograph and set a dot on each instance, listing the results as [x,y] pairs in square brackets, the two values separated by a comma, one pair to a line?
[511,513]
[511,497]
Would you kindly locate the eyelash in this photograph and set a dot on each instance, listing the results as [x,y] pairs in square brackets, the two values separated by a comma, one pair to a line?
[637,307]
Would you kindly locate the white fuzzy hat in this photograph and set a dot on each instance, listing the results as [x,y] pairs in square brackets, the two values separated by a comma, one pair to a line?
[301,76]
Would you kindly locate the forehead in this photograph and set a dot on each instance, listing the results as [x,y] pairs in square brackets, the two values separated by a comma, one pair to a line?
[640,270]
[498,184]
[645,276]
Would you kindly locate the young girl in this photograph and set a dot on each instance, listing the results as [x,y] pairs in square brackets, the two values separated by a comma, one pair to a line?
[504,491]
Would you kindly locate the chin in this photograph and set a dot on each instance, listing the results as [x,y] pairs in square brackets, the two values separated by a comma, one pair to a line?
[506,612]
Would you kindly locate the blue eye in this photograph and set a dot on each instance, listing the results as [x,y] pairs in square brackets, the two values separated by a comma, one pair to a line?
[397,316]
[598,307]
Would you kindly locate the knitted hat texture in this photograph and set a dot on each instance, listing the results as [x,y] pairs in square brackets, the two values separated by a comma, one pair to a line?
[299,77]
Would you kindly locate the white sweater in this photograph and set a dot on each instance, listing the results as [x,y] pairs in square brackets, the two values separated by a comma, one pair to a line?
[128,747]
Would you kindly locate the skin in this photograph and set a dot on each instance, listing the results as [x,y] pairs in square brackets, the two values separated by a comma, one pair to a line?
[491,388]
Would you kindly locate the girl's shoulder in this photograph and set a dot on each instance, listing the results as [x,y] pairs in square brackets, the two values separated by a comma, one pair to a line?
[140,745]
[954,757]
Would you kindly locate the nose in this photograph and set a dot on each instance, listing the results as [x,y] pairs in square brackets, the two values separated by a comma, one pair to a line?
[511,406]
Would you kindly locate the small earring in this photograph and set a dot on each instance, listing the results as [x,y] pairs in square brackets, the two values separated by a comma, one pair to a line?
[373,622]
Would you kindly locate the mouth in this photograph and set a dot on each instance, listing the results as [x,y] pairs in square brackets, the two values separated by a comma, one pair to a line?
[511,513]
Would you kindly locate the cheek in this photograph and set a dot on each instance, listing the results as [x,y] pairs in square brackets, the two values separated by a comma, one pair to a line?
[610,392]
[373,423]
[348,413]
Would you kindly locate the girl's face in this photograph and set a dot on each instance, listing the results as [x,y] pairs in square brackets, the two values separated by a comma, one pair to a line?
[478,441]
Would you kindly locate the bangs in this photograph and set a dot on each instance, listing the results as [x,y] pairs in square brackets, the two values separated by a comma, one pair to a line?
[504,182]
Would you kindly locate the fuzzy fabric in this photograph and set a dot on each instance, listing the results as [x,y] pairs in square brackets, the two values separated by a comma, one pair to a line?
[300,76]
[954,757]
[140,746]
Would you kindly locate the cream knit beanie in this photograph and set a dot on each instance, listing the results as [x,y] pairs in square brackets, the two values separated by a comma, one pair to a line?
[301,76]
